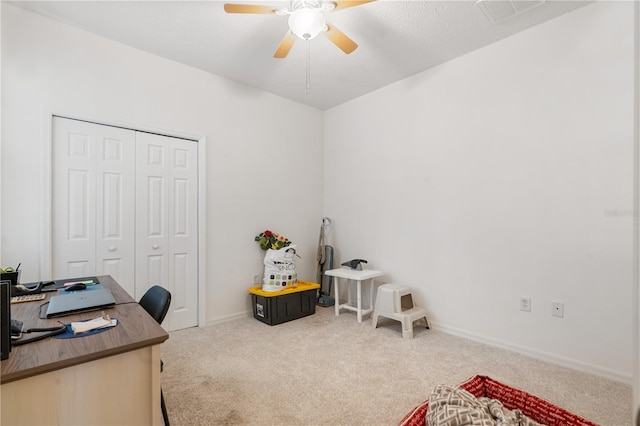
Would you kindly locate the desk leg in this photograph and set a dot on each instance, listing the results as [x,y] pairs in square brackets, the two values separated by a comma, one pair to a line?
[336,303]
[371,286]
[359,284]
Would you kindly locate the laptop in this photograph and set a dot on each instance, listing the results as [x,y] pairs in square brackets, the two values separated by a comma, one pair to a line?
[79,301]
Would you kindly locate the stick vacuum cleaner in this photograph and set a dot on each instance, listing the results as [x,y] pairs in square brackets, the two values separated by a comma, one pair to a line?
[325,263]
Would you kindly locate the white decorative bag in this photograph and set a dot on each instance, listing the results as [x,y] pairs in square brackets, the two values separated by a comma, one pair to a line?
[280,269]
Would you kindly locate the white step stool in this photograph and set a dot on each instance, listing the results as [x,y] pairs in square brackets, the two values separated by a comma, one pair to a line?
[394,301]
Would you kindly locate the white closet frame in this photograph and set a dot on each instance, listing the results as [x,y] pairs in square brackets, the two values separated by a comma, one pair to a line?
[46,268]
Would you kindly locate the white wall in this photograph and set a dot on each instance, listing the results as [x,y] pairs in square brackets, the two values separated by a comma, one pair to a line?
[264,153]
[507,172]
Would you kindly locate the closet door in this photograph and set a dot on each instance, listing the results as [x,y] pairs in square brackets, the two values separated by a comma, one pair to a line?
[93,201]
[166,223]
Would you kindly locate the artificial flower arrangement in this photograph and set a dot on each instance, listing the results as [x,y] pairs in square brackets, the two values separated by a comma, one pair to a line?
[272,240]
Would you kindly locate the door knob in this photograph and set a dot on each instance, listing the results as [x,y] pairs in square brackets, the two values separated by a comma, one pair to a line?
[112,248]
[155,247]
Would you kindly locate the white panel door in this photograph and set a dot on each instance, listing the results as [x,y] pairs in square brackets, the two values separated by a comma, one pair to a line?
[115,205]
[166,229]
[93,201]
[74,206]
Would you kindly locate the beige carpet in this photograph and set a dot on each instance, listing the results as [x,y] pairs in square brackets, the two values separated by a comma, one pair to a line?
[328,370]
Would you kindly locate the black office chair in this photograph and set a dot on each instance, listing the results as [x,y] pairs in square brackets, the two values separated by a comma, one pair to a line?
[156,302]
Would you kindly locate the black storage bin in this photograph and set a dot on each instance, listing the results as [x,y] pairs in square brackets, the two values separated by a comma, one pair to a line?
[287,305]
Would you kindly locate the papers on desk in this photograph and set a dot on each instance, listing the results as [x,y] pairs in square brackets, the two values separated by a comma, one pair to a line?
[94,324]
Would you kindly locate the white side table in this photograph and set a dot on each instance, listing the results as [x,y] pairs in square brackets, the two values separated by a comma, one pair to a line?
[358,277]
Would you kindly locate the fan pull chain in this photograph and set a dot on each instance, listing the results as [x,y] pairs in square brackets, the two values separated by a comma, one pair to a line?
[308,87]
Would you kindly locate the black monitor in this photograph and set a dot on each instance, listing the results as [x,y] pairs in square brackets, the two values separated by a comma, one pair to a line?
[5,319]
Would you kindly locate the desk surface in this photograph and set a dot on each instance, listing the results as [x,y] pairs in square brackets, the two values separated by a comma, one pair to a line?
[136,329]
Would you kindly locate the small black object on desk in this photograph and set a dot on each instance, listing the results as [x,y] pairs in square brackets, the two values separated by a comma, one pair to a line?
[76,287]
[355,264]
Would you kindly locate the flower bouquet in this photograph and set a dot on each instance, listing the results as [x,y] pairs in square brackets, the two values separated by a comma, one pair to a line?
[272,240]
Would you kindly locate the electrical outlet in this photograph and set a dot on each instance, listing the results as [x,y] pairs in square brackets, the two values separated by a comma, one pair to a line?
[256,279]
[525,304]
[557,309]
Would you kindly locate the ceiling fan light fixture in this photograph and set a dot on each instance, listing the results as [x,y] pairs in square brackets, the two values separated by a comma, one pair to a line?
[307,23]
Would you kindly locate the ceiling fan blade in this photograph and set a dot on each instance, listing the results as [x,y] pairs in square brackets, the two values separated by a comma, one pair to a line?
[248,8]
[350,3]
[285,45]
[338,38]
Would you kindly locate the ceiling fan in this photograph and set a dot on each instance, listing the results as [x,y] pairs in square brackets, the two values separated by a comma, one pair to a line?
[306,21]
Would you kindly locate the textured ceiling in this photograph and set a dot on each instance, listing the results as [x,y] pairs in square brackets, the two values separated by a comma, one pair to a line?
[396,39]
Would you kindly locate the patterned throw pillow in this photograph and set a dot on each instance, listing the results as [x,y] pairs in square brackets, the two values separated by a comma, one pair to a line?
[453,406]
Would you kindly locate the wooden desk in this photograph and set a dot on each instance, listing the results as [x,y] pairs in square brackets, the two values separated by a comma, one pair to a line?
[111,377]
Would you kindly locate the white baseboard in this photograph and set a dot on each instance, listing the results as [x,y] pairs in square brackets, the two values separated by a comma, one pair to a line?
[228,318]
[606,373]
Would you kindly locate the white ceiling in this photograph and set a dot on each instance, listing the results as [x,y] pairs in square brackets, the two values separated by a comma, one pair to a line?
[396,39]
